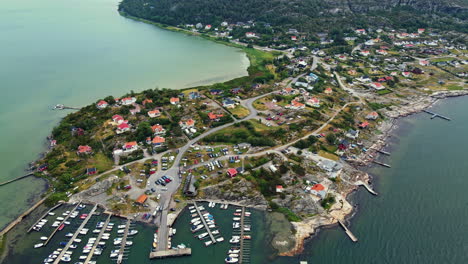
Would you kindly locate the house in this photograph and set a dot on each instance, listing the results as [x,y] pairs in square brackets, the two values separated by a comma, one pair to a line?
[364,124]
[314,102]
[194,95]
[295,104]
[124,127]
[293,38]
[364,53]
[146,101]
[91,171]
[372,116]
[148,140]
[130,146]
[154,113]
[187,124]
[301,64]
[117,119]
[135,110]
[84,150]
[318,190]
[158,129]
[102,104]
[301,84]
[279,188]
[229,103]
[424,62]
[174,100]
[360,31]
[158,141]
[406,74]
[214,117]
[127,100]
[377,86]
[382,52]
[231,172]
[199,25]
[207,27]
[250,35]
[328,90]
[236,90]
[330,165]
[353,134]
[224,24]
[216,91]
[421,30]
[141,199]
[292,31]
[289,91]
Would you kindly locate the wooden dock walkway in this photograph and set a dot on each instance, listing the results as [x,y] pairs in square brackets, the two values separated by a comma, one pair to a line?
[123,244]
[381,164]
[241,253]
[368,188]
[383,152]
[77,232]
[44,215]
[63,221]
[204,223]
[348,232]
[434,115]
[170,253]
[16,179]
[96,243]
[244,254]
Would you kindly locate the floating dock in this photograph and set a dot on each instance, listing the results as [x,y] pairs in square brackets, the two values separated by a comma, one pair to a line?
[383,152]
[96,243]
[16,179]
[381,164]
[348,232]
[44,215]
[63,221]
[244,256]
[171,253]
[77,232]
[434,115]
[204,223]
[123,244]
[368,188]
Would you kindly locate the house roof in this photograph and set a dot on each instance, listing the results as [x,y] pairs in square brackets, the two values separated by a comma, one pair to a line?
[232,171]
[102,102]
[117,117]
[213,116]
[318,187]
[174,99]
[130,144]
[158,140]
[123,126]
[147,101]
[364,124]
[141,199]
[83,149]
[157,127]
[154,112]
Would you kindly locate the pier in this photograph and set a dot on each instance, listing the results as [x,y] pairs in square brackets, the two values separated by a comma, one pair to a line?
[77,232]
[123,244]
[63,221]
[368,188]
[16,179]
[348,232]
[21,217]
[381,164]
[171,253]
[96,243]
[434,115]
[383,152]
[204,223]
[63,107]
[244,256]
[44,215]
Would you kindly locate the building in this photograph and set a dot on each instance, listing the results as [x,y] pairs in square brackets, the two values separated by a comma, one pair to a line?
[146,101]
[328,90]
[360,31]
[130,146]
[364,53]
[187,124]
[158,141]
[102,104]
[231,172]
[364,124]
[372,116]
[318,190]
[122,128]
[229,103]
[174,100]
[377,86]
[353,134]
[314,102]
[250,35]
[127,100]
[279,188]
[424,62]
[214,117]
[207,27]
[91,171]
[141,199]
[84,150]
[117,119]
[158,129]
[154,113]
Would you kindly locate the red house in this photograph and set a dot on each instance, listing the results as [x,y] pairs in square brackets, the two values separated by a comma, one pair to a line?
[232,172]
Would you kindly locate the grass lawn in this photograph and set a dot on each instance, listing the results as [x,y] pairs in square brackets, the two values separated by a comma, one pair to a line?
[102,162]
[384,91]
[328,155]
[260,104]
[454,87]
[239,111]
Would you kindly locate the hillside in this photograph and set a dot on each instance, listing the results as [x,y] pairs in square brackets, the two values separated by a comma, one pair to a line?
[306,15]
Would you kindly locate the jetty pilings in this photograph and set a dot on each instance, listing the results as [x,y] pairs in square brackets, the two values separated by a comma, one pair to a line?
[21,217]
[368,188]
[170,253]
[381,164]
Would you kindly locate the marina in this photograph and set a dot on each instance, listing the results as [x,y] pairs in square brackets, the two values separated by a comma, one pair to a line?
[96,243]
[62,223]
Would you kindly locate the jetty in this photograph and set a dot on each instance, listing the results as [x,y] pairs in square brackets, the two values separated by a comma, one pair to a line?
[383,152]
[44,215]
[21,217]
[63,107]
[123,244]
[16,179]
[368,188]
[347,231]
[77,232]
[96,243]
[434,115]
[63,221]
[204,223]
[170,253]
[244,254]
[381,164]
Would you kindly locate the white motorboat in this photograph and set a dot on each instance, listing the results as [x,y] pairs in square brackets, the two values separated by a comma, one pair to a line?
[207,243]
[44,238]
[220,239]
[231,260]
[38,245]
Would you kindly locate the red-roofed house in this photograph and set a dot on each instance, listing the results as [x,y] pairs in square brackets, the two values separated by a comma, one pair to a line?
[372,116]
[214,117]
[382,52]
[102,104]
[158,129]
[130,146]
[232,172]
[279,188]
[154,113]
[328,90]
[423,62]
[314,102]
[187,124]
[319,190]
[421,30]
[360,31]
[377,86]
[128,100]
[293,38]
[296,105]
[158,141]
[124,127]
[146,101]
[84,150]
[364,53]
[364,124]
[174,100]
[406,74]
[117,119]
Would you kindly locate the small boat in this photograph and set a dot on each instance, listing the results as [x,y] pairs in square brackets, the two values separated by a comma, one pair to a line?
[60,218]
[113,255]
[44,238]
[234,239]
[215,232]
[202,235]
[194,220]
[83,257]
[233,251]
[38,245]
[77,240]
[247,237]
[196,223]
[207,243]
[121,226]
[181,246]
[61,227]
[196,228]
[234,255]
[65,259]
[133,232]
[128,243]
[96,231]
[120,231]
[236,218]
[48,260]
[155,244]
[73,246]
[51,213]
[69,235]
[220,239]
[231,260]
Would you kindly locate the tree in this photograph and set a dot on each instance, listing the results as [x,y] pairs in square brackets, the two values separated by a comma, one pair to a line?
[331,138]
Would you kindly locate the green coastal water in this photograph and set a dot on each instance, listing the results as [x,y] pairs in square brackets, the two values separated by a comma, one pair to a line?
[74,52]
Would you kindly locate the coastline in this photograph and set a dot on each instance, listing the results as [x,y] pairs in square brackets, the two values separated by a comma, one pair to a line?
[310,228]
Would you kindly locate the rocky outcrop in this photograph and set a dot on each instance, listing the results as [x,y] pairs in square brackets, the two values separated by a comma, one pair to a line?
[241,192]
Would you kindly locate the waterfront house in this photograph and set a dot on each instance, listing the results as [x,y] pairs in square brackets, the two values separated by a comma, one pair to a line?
[174,100]
[207,27]
[102,104]
[318,190]
[158,141]
[84,150]
[158,129]
[231,172]
[372,116]
[154,113]
[130,146]
[216,91]
[124,127]
[127,100]
[236,90]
